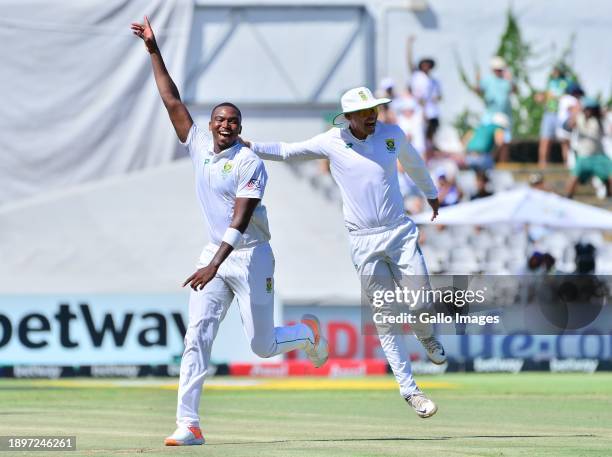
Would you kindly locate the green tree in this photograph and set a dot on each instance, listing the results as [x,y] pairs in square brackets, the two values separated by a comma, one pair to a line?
[526,111]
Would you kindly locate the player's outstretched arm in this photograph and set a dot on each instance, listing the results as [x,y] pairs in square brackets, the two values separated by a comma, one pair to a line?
[313,148]
[179,115]
[414,165]
[243,211]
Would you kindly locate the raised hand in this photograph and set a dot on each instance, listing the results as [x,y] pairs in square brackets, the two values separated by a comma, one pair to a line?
[145,32]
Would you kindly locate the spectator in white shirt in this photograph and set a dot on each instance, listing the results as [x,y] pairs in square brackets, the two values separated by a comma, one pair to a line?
[426,89]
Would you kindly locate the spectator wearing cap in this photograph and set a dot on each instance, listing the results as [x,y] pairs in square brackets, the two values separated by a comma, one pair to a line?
[587,143]
[556,87]
[537,181]
[386,113]
[496,90]
[426,89]
[484,144]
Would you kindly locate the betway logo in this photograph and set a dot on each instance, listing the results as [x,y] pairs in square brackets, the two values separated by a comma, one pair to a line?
[32,330]
[573,365]
[428,368]
[498,365]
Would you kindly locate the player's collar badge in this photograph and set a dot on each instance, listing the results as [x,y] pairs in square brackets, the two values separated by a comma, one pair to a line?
[227,167]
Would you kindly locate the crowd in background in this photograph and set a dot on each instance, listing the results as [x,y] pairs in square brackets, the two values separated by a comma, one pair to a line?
[577,122]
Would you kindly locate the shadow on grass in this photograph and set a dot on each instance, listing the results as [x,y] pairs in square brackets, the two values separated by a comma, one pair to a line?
[439,438]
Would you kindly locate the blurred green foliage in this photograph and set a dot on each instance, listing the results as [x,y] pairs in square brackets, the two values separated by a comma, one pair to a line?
[526,111]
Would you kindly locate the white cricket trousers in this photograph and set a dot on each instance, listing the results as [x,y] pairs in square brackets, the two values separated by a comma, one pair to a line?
[247,274]
[386,258]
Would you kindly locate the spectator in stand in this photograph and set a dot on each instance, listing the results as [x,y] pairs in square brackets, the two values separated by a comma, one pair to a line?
[482,186]
[386,113]
[537,181]
[484,145]
[556,87]
[587,142]
[427,91]
[411,120]
[448,191]
[567,101]
[540,264]
[387,85]
[496,90]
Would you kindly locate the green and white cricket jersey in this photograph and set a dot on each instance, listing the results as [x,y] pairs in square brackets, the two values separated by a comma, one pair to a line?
[220,179]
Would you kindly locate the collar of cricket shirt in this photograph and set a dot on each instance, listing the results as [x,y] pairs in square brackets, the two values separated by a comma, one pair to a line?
[215,157]
[347,129]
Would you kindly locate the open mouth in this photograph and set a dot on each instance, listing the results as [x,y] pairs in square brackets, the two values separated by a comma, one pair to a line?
[371,124]
[225,133]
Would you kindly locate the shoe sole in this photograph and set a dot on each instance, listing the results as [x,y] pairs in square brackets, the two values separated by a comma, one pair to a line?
[317,331]
[319,339]
[171,442]
[437,363]
[323,343]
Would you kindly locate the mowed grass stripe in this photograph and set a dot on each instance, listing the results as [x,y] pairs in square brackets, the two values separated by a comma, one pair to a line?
[528,414]
[284,384]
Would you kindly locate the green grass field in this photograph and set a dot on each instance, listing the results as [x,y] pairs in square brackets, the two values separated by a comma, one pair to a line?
[479,415]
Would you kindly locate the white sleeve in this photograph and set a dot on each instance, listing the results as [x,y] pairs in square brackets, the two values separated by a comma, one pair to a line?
[197,141]
[313,148]
[252,178]
[416,169]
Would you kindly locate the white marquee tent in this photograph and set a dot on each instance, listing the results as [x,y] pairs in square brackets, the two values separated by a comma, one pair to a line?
[523,205]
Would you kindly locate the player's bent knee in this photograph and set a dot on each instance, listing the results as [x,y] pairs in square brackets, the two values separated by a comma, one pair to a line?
[263,348]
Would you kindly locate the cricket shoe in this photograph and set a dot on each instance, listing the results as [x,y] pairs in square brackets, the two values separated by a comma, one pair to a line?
[317,352]
[185,436]
[435,350]
[422,405]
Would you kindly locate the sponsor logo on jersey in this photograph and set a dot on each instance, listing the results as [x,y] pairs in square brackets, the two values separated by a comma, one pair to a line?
[349,146]
[254,184]
[207,161]
[269,285]
[227,167]
[390,142]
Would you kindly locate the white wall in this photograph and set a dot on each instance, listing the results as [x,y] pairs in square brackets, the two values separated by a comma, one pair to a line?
[470,29]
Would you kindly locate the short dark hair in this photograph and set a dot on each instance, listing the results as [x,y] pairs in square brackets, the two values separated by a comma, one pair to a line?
[231,105]
[426,61]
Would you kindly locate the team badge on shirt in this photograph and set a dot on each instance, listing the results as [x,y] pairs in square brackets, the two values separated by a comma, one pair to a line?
[390,142]
[349,146]
[269,285]
[227,167]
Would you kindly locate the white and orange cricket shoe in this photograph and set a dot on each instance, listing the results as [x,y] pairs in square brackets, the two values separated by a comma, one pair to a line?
[185,436]
[317,352]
